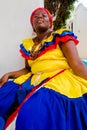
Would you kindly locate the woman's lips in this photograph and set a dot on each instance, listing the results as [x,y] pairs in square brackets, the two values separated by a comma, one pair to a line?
[40,21]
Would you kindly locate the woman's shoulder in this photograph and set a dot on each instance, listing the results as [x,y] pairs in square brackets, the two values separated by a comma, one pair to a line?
[63,32]
[27,43]
[60,30]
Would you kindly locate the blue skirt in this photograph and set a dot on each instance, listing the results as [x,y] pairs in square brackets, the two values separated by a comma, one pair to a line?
[7,97]
[11,95]
[50,110]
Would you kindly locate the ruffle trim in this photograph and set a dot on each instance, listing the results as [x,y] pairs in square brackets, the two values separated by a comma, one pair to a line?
[64,36]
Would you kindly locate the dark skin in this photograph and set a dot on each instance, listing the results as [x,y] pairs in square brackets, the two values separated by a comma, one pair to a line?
[70,52]
[14,74]
[41,25]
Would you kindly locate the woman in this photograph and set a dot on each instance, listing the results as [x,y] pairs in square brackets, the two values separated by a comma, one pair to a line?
[61,103]
[53,65]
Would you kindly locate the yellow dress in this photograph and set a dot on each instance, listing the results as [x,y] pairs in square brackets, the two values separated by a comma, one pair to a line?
[52,61]
[61,102]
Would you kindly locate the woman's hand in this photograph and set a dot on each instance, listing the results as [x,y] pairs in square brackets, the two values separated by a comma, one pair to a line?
[14,74]
[4,79]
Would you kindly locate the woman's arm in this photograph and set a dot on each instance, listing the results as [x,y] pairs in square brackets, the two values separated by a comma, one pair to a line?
[14,74]
[70,52]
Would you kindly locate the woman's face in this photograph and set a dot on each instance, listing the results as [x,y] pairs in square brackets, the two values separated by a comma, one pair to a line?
[41,21]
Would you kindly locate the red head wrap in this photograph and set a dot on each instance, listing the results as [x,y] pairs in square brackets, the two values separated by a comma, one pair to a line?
[47,12]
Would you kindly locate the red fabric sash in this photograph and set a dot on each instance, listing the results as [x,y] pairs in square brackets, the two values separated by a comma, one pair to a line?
[14,114]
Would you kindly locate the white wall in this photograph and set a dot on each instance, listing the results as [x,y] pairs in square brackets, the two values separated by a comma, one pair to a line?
[79,21]
[14,26]
[80,29]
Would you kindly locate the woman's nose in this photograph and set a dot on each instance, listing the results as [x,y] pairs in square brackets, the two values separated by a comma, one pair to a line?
[40,16]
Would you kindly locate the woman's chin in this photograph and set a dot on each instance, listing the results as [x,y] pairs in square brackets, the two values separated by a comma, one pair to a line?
[41,29]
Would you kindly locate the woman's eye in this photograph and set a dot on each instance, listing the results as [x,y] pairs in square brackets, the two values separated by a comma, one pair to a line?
[35,16]
[44,16]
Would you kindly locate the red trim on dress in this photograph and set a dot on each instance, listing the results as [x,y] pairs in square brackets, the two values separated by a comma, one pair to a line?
[52,46]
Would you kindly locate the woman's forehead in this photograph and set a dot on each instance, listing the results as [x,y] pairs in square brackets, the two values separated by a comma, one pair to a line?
[40,11]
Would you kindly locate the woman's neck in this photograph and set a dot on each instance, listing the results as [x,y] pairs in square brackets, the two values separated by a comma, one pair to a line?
[43,35]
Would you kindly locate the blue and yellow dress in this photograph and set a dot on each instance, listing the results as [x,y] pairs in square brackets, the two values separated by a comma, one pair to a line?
[61,101]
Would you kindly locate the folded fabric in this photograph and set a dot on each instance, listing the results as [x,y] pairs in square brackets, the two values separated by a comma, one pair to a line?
[2,123]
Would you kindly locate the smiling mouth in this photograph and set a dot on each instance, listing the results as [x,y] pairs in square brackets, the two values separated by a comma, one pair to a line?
[40,22]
